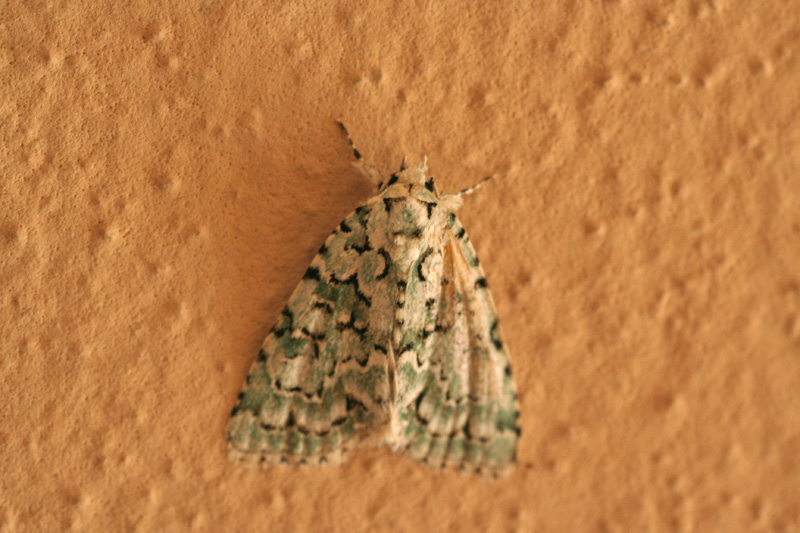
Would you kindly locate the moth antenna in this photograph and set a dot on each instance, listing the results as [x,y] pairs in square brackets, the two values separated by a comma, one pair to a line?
[454,201]
[470,190]
[370,173]
[356,153]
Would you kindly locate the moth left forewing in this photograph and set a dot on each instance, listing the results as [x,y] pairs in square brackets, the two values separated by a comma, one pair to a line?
[319,386]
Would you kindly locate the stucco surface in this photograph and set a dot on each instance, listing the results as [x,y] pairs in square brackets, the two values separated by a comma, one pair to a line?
[167,171]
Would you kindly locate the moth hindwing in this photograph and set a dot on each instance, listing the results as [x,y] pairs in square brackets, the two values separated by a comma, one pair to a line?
[390,337]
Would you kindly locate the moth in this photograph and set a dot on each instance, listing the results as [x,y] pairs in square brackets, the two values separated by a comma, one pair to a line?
[391,337]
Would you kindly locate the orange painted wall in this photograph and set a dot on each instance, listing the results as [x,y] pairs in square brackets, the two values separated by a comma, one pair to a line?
[168,170]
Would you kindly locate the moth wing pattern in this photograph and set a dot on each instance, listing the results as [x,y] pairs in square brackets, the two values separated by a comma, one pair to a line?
[458,403]
[319,385]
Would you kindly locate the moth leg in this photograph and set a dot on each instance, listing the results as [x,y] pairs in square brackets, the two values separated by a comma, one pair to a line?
[370,173]
[454,201]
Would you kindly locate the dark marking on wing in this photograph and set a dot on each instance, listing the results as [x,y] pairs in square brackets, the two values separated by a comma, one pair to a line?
[362,359]
[417,404]
[360,249]
[351,325]
[388,203]
[495,335]
[287,314]
[386,261]
[352,280]
[421,262]
[405,348]
[324,305]
[312,273]
[237,407]
[355,403]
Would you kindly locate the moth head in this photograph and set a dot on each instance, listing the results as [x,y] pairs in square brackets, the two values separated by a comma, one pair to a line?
[413,175]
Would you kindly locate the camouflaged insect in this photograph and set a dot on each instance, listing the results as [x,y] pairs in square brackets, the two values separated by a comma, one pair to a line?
[391,337]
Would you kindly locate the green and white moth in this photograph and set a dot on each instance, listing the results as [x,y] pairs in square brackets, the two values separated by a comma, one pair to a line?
[390,338]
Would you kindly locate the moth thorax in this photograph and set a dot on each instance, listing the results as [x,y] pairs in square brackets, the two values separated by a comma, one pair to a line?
[407,232]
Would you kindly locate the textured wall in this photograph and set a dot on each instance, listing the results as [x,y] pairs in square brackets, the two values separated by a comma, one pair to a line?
[168,170]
